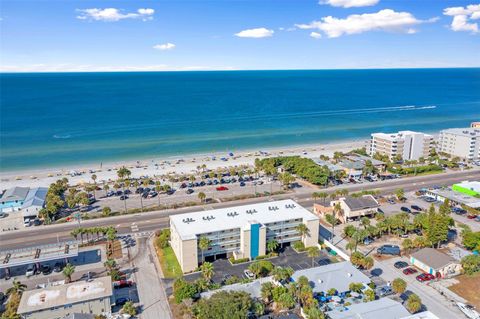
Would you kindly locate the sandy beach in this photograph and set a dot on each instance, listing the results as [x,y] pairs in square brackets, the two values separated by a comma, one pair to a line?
[169,165]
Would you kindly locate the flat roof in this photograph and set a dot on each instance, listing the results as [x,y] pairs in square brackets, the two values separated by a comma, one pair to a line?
[253,288]
[474,186]
[336,275]
[30,255]
[384,308]
[15,194]
[456,196]
[189,225]
[433,258]
[398,135]
[332,167]
[467,131]
[54,296]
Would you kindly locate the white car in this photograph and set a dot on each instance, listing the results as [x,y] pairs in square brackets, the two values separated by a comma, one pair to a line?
[27,222]
[249,274]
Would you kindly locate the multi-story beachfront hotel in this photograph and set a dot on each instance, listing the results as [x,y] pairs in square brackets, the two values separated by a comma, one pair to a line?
[406,144]
[461,142]
[241,232]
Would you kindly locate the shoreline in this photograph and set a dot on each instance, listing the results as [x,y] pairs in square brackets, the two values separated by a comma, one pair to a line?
[176,164]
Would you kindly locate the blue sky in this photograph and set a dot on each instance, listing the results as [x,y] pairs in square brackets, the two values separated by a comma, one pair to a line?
[116,35]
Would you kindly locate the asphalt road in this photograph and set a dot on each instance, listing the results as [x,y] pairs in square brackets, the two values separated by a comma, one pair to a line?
[155,220]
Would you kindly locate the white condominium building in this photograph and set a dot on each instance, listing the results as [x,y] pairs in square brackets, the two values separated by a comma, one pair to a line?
[461,142]
[406,144]
[241,232]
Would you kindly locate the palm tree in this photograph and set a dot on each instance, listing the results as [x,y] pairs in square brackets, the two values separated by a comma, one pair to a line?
[266,291]
[302,230]
[106,188]
[94,179]
[323,196]
[315,196]
[110,264]
[202,196]
[123,173]
[203,244]
[68,272]
[17,288]
[207,270]
[158,189]
[272,245]
[313,252]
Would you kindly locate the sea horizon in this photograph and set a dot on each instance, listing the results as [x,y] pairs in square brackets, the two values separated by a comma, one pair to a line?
[64,119]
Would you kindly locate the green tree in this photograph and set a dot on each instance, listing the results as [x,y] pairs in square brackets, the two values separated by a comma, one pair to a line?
[399,285]
[183,290]
[313,252]
[261,268]
[369,295]
[272,245]
[207,270]
[202,196]
[302,230]
[106,211]
[266,292]
[471,264]
[16,288]
[286,179]
[204,244]
[110,264]
[400,193]
[282,273]
[414,303]
[129,308]
[68,272]
[355,287]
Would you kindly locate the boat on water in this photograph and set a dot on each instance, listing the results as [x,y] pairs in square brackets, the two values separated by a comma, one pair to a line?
[468,310]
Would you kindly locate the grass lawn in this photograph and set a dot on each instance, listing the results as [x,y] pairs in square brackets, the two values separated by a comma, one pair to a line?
[468,288]
[168,262]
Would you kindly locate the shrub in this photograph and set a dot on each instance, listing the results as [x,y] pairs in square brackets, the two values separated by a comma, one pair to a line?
[399,285]
[238,261]
[183,290]
[224,304]
[298,246]
[163,238]
[471,264]
[414,303]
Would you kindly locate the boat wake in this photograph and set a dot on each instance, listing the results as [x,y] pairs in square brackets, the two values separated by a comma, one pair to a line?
[62,136]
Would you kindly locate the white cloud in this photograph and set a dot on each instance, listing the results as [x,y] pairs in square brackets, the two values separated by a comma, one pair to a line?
[383,20]
[350,3]
[255,33]
[165,46]
[113,14]
[463,16]
[316,35]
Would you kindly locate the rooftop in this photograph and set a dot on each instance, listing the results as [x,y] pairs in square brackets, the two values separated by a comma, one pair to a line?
[433,258]
[54,296]
[331,167]
[398,136]
[360,203]
[468,131]
[337,275]
[473,186]
[35,197]
[384,308]
[191,224]
[15,194]
[457,197]
[25,256]
[253,288]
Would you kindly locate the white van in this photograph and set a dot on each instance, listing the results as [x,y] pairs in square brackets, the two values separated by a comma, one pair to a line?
[27,222]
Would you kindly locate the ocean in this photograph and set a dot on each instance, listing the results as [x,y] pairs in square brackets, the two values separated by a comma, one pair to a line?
[63,119]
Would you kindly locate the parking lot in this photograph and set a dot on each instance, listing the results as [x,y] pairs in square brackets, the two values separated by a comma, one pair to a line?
[287,258]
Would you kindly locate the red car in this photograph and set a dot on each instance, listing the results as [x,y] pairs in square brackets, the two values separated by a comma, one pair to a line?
[471,216]
[222,188]
[425,277]
[409,271]
[122,284]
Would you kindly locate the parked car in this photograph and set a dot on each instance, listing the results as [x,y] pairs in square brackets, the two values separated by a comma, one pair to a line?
[409,271]
[425,277]
[249,274]
[405,209]
[3,215]
[222,188]
[242,184]
[139,190]
[152,194]
[121,301]
[388,250]
[58,267]
[171,192]
[27,222]
[400,264]
[415,207]
[471,216]
[31,270]
[391,201]
[37,222]
[122,284]
[123,197]
[189,191]
[384,291]
[46,269]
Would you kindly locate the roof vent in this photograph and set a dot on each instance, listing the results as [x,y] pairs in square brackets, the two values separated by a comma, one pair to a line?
[290,206]
[188,220]
[349,274]
[320,281]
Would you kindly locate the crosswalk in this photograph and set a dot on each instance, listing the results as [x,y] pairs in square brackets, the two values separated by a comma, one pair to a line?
[134,228]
